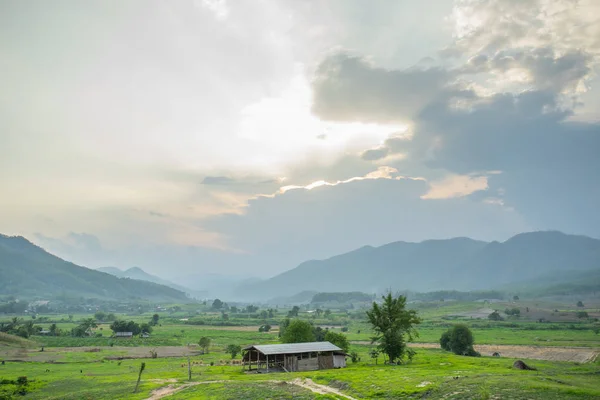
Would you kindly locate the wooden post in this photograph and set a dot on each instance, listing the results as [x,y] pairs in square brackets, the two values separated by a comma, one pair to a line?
[267,363]
[189,369]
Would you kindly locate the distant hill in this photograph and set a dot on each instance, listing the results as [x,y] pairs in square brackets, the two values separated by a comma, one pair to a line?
[453,264]
[27,270]
[140,274]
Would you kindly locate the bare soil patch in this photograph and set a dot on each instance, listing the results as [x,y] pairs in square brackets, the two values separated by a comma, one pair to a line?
[51,354]
[550,353]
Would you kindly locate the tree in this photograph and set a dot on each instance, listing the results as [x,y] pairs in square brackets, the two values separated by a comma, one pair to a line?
[319,334]
[264,314]
[298,332]
[495,316]
[204,344]
[327,313]
[146,328]
[515,298]
[582,314]
[251,309]
[580,304]
[264,328]
[217,304]
[100,315]
[391,322]
[458,340]
[155,319]
[233,349]
[126,326]
[283,326]
[53,330]
[88,323]
[294,311]
[374,354]
[339,339]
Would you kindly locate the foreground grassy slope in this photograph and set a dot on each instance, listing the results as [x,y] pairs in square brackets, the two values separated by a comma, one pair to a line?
[433,373]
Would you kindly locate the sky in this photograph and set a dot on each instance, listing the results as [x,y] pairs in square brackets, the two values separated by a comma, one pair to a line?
[244,137]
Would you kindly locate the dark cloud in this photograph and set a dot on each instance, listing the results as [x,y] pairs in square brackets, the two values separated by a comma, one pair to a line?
[349,88]
[549,165]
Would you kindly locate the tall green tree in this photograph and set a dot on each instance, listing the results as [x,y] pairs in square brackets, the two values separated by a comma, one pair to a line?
[204,343]
[155,319]
[298,331]
[393,325]
[233,350]
[339,339]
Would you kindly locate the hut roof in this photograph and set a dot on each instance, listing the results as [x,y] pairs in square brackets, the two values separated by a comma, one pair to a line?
[294,348]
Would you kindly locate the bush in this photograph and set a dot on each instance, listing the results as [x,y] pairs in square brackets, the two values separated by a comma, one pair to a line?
[459,340]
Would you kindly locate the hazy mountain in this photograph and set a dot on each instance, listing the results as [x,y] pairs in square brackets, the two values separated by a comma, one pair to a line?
[27,270]
[460,263]
[217,285]
[140,274]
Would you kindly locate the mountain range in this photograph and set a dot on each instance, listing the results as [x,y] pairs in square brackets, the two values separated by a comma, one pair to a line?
[140,274]
[27,270]
[458,264]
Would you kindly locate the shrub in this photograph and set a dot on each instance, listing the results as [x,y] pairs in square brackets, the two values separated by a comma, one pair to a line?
[459,340]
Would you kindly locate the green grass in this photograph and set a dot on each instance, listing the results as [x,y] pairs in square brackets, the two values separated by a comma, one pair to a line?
[431,372]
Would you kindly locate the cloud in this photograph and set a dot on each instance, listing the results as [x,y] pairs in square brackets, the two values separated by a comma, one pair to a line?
[375,154]
[456,186]
[349,88]
[217,180]
[329,219]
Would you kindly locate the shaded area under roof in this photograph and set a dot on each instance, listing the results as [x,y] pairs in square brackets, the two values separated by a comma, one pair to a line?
[291,348]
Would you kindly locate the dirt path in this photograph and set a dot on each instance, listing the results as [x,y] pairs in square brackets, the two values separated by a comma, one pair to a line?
[317,388]
[171,389]
[303,383]
[550,353]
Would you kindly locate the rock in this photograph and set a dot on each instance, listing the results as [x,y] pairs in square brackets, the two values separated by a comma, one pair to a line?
[521,365]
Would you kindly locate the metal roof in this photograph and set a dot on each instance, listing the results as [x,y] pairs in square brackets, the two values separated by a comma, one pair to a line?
[294,348]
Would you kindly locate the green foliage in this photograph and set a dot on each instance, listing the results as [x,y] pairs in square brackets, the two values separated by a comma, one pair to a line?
[582,314]
[233,350]
[339,339]
[391,322]
[217,304]
[580,304]
[513,311]
[145,328]
[495,316]
[294,311]
[298,331]
[459,340]
[126,326]
[204,344]
[264,328]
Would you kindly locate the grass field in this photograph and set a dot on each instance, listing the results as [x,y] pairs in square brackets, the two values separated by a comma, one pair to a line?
[106,368]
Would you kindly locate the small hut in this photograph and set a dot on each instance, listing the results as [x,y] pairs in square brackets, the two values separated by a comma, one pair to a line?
[293,357]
